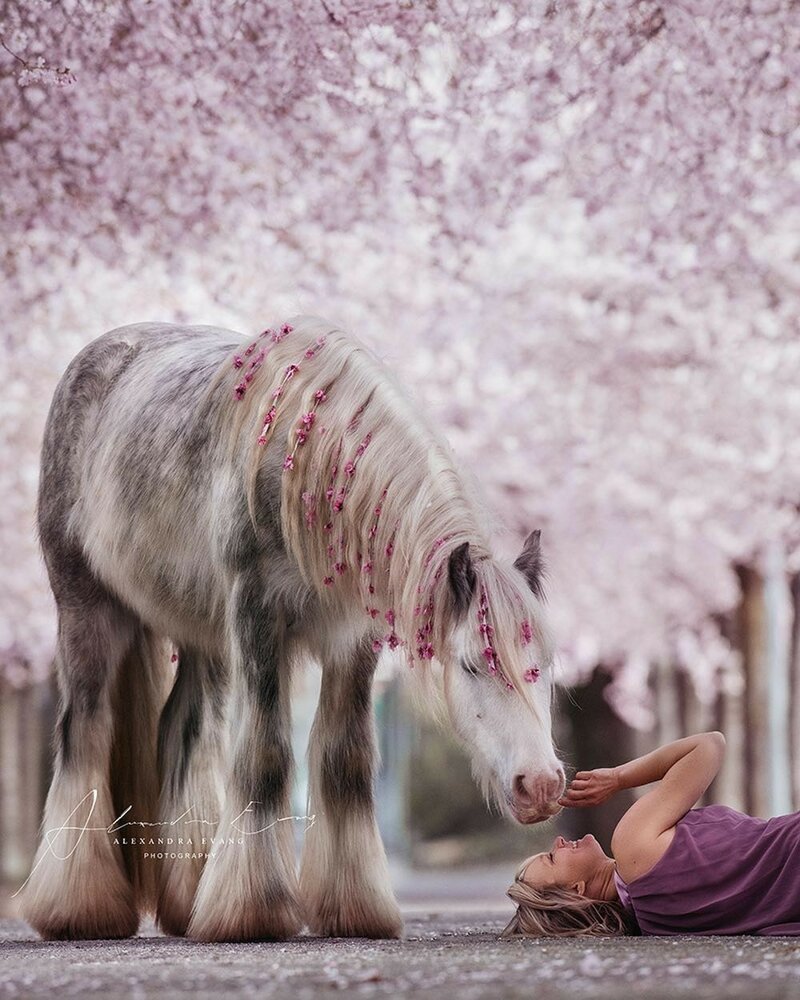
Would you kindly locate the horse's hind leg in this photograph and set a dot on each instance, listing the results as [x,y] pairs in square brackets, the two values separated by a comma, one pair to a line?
[79,886]
[190,750]
[344,877]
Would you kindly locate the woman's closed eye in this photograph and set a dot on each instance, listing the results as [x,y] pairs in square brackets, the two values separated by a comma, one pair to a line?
[469,668]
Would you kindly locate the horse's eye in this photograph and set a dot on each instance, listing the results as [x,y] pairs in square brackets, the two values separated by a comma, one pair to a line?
[469,668]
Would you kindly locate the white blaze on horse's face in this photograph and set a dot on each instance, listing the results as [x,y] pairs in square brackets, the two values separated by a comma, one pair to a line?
[511,750]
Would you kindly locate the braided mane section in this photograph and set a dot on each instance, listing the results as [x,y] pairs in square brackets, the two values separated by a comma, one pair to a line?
[368,496]
[372,503]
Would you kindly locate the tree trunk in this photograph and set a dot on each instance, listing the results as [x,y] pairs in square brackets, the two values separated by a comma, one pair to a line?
[752,635]
[794,690]
[666,694]
[728,787]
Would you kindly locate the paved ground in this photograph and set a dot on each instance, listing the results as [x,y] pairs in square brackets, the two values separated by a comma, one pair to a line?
[451,951]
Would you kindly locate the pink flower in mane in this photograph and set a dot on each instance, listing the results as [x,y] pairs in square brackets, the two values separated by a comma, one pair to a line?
[290,371]
[486,631]
[311,351]
[363,445]
[310,504]
[255,363]
[438,542]
[356,418]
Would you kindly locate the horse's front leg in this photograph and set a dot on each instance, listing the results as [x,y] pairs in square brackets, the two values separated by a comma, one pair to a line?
[248,890]
[344,877]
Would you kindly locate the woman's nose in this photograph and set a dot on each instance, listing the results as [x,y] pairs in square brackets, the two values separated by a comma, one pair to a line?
[560,841]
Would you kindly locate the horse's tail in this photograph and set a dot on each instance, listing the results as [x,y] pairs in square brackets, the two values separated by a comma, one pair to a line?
[141,690]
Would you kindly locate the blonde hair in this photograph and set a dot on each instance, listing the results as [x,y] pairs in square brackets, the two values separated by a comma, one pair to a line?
[558,911]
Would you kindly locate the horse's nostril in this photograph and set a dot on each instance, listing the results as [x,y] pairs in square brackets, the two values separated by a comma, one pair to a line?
[520,790]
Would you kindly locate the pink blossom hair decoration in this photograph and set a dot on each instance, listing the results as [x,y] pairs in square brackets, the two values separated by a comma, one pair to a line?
[486,631]
[532,674]
[238,361]
[289,372]
[368,564]
[336,496]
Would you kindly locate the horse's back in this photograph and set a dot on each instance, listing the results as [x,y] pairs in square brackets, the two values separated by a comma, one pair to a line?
[121,371]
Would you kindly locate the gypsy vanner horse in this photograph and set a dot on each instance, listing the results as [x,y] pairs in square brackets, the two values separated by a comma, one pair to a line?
[239,508]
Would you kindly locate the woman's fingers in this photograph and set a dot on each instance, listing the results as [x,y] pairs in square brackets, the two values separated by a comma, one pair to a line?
[584,790]
[577,795]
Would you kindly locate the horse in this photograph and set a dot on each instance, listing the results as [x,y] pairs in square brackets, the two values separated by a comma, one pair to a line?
[215,511]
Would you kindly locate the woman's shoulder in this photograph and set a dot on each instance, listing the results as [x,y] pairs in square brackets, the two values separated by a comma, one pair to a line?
[637,853]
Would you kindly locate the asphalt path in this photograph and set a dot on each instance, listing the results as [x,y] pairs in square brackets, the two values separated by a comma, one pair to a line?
[452,953]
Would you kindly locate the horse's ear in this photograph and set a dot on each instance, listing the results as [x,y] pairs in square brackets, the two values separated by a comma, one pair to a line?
[530,563]
[462,578]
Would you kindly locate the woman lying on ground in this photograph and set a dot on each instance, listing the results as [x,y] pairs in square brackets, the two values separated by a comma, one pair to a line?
[675,869]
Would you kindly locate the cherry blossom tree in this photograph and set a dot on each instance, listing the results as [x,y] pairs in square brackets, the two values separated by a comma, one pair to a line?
[572,227]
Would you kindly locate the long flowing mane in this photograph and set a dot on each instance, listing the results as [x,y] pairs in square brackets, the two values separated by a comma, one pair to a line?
[372,501]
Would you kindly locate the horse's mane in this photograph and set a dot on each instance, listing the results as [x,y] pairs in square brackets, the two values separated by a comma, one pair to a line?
[373,503]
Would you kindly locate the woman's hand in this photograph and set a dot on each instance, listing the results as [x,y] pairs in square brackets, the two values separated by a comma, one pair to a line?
[590,788]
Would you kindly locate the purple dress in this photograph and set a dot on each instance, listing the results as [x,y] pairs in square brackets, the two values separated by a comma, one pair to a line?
[724,873]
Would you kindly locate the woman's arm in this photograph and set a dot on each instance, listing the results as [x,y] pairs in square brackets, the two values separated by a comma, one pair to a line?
[686,768]
[590,788]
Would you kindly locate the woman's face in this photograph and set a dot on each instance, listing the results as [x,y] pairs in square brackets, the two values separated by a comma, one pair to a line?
[567,863]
